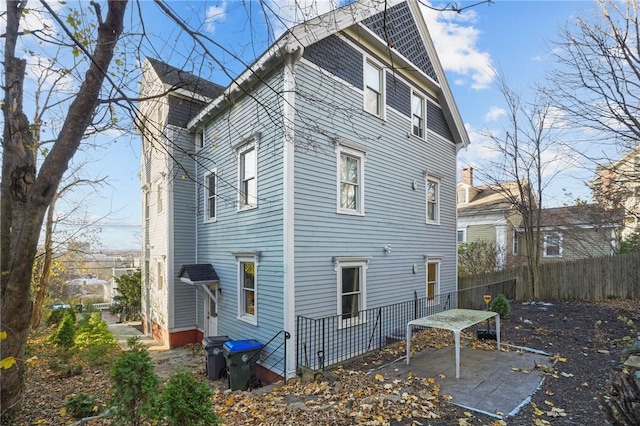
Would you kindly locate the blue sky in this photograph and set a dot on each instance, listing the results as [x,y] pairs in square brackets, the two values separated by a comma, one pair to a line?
[510,36]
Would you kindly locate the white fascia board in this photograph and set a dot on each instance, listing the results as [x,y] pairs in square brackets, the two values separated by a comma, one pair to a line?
[449,106]
[172,90]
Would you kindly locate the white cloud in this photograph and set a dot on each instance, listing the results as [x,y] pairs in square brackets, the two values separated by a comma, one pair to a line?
[214,15]
[456,41]
[494,114]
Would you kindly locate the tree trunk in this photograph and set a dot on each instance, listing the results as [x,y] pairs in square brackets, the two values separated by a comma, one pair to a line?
[621,405]
[25,197]
[45,275]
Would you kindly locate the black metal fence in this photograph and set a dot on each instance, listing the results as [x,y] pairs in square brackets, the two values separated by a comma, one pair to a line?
[323,342]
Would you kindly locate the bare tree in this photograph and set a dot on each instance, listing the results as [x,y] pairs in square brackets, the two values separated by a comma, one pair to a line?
[524,166]
[27,191]
[597,83]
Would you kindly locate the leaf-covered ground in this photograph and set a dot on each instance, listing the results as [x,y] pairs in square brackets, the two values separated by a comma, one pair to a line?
[588,341]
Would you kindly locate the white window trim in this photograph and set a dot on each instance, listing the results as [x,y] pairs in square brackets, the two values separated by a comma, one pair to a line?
[560,245]
[252,144]
[436,291]
[207,217]
[160,198]
[383,85]
[242,316]
[426,201]
[199,139]
[464,236]
[515,243]
[424,114]
[160,278]
[351,262]
[354,150]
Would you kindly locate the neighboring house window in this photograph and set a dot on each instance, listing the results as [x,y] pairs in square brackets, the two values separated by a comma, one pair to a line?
[462,236]
[433,200]
[373,95]
[552,245]
[160,199]
[160,276]
[433,281]
[515,242]
[350,181]
[417,115]
[351,291]
[247,280]
[247,176]
[211,194]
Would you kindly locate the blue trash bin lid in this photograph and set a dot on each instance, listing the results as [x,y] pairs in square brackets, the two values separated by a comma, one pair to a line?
[233,346]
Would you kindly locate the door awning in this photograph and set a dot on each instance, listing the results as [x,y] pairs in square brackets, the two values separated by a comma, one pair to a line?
[200,275]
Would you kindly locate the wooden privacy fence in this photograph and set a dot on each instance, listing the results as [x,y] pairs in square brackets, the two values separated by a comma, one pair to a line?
[584,279]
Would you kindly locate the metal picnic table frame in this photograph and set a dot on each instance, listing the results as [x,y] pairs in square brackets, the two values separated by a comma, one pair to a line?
[454,320]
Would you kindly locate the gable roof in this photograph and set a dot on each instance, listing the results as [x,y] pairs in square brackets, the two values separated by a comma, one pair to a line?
[491,197]
[586,215]
[176,78]
[294,40]
[197,273]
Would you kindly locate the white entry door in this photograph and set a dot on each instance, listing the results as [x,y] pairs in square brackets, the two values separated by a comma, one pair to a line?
[212,317]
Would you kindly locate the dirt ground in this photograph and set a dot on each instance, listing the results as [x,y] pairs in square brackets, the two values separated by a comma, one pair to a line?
[587,341]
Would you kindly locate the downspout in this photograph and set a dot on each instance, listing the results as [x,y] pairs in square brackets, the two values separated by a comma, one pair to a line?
[289,114]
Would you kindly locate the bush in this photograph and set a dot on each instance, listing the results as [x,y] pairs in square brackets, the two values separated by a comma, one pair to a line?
[501,305]
[56,316]
[81,405]
[64,336]
[94,341]
[134,385]
[187,401]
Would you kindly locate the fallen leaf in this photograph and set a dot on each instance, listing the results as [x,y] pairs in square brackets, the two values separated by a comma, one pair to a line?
[7,362]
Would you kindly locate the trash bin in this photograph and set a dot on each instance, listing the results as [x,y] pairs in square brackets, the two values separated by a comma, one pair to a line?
[241,357]
[214,358]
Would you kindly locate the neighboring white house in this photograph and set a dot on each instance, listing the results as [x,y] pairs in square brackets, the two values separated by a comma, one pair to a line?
[322,182]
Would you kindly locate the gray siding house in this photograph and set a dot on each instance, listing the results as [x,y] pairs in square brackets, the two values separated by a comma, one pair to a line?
[324,184]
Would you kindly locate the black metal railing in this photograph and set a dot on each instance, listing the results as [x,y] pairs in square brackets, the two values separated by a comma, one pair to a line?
[323,342]
[270,355]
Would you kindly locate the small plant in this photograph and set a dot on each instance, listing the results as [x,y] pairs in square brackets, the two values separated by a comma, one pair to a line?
[94,341]
[134,385]
[501,306]
[81,405]
[187,401]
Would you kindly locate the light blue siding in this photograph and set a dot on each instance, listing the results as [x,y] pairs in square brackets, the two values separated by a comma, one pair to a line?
[184,248]
[256,230]
[395,213]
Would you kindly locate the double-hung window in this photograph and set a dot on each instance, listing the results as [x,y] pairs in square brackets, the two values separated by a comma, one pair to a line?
[350,180]
[373,92]
[417,115]
[247,290]
[433,281]
[433,200]
[248,176]
[210,196]
[352,279]
[160,275]
[159,199]
[552,245]
[462,236]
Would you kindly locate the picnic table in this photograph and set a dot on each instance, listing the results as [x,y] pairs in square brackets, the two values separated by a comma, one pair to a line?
[455,320]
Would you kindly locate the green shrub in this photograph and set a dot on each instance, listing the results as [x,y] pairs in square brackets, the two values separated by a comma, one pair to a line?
[187,401]
[81,405]
[134,385]
[56,316]
[64,336]
[501,305]
[94,341]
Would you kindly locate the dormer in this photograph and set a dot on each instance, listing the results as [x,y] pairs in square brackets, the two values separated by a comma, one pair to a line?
[465,192]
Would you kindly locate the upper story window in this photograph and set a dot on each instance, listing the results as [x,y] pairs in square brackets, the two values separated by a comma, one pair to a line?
[146,204]
[248,176]
[247,289]
[515,242]
[160,272]
[352,280]
[350,180]
[552,245]
[199,139]
[433,200]
[373,92]
[417,115]
[159,199]
[211,195]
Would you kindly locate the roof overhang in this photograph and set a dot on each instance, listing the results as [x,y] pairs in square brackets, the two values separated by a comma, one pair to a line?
[201,276]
